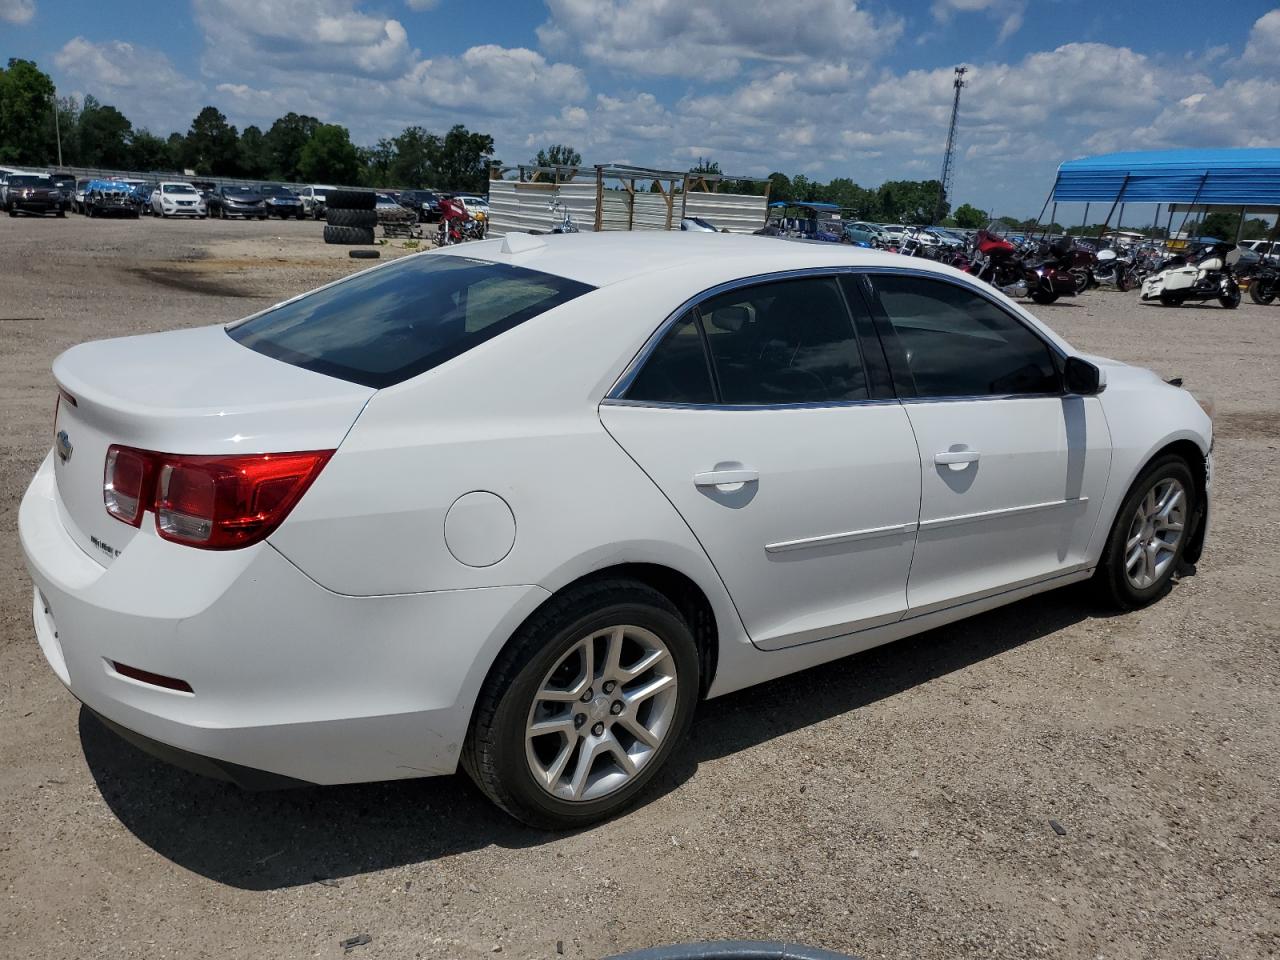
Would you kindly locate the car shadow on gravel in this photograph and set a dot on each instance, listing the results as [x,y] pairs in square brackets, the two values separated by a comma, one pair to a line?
[273,840]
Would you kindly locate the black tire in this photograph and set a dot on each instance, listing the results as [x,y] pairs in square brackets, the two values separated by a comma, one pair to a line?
[1082,278]
[350,200]
[1170,300]
[350,236]
[1263,293]
[364,254]
[1043,297]
[494,752]
[1123,280]
[1110,581]
[342,217]
[1232,298]
[61,213]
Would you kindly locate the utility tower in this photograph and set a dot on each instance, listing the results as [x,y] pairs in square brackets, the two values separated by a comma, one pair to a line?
[948,158]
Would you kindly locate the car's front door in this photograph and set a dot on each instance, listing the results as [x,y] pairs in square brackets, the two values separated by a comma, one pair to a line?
[769,423]
[1012,469]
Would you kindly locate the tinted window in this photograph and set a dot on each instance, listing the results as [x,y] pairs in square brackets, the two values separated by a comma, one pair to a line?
[387,325]
[676,371]
[959,344]
[786,342]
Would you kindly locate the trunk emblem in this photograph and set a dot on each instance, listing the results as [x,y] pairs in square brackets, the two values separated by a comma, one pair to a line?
[63,446]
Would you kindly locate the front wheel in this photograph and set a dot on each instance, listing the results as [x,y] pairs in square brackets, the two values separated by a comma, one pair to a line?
[1149,535]
[1230,298]
[584,706]
[1263,292]
[1170,300]
[1081,278]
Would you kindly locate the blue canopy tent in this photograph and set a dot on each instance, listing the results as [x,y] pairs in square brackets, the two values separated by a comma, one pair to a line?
[1248,178]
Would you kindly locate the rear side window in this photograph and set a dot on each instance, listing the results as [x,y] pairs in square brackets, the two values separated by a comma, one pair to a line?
[677,370]
[959,344]
[390,324]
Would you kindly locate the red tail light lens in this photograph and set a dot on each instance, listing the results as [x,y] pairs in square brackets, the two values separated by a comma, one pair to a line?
[125,484]
[218,503]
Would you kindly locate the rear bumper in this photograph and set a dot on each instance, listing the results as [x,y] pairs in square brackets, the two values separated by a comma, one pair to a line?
[288,679]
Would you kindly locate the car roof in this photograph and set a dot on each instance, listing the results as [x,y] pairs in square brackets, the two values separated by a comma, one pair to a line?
[605,258]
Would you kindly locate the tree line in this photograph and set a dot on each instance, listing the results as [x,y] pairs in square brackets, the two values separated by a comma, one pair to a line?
[35,125]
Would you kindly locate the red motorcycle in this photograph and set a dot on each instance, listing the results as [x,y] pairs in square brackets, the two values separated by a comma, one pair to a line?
[1040,271]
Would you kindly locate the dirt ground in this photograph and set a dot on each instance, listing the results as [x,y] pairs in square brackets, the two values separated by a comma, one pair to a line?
[896,804]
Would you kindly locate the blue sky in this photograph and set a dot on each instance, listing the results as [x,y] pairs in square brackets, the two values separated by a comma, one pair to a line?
[856,88]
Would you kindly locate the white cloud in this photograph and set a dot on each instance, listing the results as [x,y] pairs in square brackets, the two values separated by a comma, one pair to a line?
[422,4]
[1010,13]
[17,11]
[1263,46]
[140,82]
[491,79]
[714,39]
[329,36]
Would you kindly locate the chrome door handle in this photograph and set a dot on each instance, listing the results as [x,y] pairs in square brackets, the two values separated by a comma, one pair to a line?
[725,478]
[956,459]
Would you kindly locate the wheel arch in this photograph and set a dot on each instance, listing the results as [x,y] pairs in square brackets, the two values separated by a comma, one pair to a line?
[1189,451]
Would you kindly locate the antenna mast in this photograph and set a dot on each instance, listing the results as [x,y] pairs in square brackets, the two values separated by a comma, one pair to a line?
[948,158]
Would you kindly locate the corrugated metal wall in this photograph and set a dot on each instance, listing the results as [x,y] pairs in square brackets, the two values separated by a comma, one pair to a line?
[517,206]
[738,212]
[650,212]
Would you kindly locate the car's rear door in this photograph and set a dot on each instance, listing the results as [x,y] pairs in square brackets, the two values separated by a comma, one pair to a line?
[1012,468]
[769,422]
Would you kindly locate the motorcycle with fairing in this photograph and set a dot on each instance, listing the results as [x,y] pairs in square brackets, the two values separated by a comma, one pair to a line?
[1203,274]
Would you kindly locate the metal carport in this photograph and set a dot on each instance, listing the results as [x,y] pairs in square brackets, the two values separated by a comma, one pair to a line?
[1246,177]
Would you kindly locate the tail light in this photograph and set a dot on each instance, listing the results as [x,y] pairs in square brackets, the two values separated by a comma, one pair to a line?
[214,502]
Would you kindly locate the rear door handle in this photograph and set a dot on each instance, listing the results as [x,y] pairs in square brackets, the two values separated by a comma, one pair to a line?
[956,459]
[724,478]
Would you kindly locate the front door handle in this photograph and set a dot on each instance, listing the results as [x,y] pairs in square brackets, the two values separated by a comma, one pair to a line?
[956,459]
[725,478]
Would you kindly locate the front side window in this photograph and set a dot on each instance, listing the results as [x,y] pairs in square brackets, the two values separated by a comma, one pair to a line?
[384,326]
[779,343]
[956,343]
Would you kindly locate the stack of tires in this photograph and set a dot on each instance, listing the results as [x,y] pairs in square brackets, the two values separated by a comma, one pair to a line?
[349,217]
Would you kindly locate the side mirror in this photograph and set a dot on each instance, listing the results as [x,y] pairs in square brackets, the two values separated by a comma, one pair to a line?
[1082,378]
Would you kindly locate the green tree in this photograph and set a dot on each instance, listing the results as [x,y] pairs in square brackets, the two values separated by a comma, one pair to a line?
[212,145]
[285,142]
[970,217]
[558,155]
[909,201]
[329,156]
[705,166]
[255,158]
[26,113]
[375,163]
[103,135]
[858,202]
[149,152]
[464,159]
[414,157]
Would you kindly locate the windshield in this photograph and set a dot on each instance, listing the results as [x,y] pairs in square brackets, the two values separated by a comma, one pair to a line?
[386,325]
[19,180]
[276,190]
[179,188]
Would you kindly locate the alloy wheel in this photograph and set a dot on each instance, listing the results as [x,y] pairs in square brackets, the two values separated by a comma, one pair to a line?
[601,713]
[1155,532]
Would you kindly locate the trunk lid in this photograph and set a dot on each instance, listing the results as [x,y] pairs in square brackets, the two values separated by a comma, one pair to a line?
[189,392]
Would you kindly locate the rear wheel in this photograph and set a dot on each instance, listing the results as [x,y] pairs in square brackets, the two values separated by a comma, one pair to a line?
[1043,297]
[584,706]
[1231,298]
[1170,300]
[1149,535]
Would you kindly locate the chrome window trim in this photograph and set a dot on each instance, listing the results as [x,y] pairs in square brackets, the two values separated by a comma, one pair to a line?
[616,394]
[811,405]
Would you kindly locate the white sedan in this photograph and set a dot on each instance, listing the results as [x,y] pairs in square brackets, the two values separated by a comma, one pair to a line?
[519,505]
[172,199]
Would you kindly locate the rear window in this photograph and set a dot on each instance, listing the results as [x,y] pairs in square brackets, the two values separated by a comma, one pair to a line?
[386,325]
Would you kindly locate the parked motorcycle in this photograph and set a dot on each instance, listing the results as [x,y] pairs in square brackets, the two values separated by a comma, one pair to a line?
[1204,275]
[1114,268]
[1055,271]
[994,259]
[1264,287]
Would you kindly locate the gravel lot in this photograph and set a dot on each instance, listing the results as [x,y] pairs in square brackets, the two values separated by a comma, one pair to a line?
[896,804]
